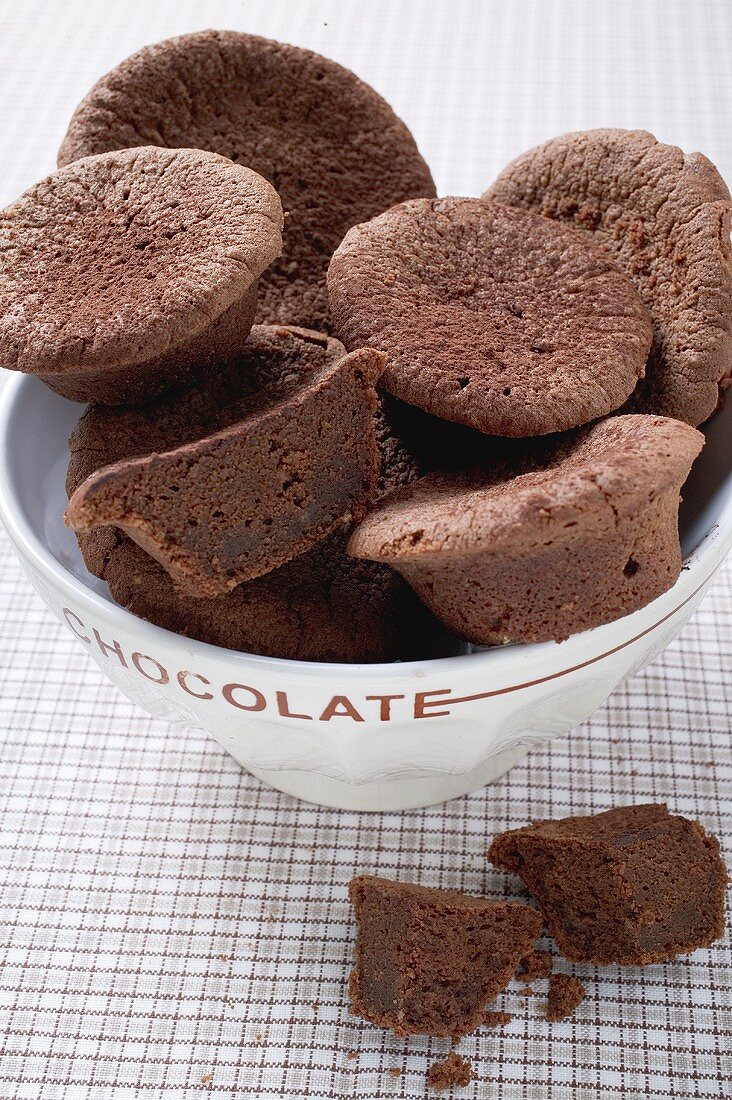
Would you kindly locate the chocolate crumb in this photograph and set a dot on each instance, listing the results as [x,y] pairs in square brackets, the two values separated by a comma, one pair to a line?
[394,1071]
[206,1078]
[453,1070]
[351,1055]
[492,1018]
[534,966]
[315,1006]
[565,993]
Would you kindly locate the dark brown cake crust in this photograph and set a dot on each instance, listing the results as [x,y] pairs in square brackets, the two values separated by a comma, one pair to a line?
[634,885]
[664,217]
[588,534]
[428,961]
[305,610]
[234,477]
[452,1072]
[333,149]
[565,994]
[126,273]
[491,317]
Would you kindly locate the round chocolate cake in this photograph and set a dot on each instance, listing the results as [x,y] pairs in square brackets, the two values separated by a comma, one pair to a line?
[129,272]
[560,540]
[492,317]
[333,149]
[664,217]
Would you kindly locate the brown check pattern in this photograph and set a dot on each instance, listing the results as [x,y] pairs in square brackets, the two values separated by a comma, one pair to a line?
[170,928]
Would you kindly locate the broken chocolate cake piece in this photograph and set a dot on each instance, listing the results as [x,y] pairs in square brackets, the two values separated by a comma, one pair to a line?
[452,1072]
[565,994]
[428,961]
[633,885]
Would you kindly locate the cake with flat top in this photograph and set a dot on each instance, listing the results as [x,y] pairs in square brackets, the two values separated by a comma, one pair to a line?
[664,217]
[492,317]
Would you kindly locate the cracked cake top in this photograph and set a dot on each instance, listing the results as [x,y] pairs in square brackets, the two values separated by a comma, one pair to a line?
[664,217]
[119,258]
[490,316]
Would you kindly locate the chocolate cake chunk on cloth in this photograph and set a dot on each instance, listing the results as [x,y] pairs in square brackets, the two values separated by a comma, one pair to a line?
[633,885]
[543,545]
[492,317]
[231,478]
[333,149]
[322,606]
[428,961]
[452,1072]
[565,994]
[128,273]
[664,217]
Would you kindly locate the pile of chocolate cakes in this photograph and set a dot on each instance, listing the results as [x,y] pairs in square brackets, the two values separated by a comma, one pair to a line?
[332,417]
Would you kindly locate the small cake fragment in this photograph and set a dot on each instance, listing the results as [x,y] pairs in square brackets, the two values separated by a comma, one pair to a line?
[535,966]
[565,993]
[451,1071]
[492,1018]
[633,885]
[428,961]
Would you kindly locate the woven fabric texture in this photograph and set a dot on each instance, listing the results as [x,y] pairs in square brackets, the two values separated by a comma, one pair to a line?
[172,928]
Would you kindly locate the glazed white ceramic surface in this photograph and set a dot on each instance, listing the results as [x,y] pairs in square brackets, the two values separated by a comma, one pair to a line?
[367,737]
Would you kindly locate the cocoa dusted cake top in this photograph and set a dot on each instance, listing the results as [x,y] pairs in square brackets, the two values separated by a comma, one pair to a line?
[571,482]
[117,259]
[664,217]
[330,145]
[490,316]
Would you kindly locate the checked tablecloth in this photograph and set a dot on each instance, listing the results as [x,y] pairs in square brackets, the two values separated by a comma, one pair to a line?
[169,926]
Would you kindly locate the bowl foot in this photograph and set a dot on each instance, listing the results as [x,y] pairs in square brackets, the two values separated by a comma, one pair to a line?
[390,794]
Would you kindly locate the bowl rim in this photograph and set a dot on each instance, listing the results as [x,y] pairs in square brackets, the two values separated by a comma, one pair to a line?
[534,654]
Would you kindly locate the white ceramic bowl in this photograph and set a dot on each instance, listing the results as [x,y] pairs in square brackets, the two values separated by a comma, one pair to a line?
[367,737]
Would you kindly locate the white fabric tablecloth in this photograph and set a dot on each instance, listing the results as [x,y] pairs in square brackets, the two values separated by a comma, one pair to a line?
[170,927]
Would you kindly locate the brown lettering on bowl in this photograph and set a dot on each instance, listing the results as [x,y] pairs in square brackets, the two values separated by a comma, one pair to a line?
[385,702]
[348,711]
[245,696]
[115,648]
[161,678]
[68,614]
[259,700]
[422,702]
[283,708]
[183,677]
